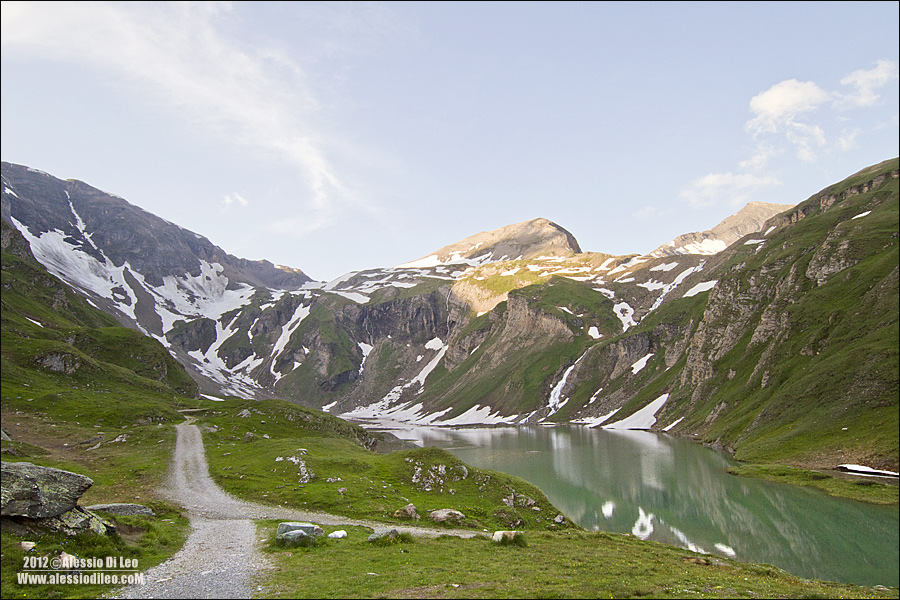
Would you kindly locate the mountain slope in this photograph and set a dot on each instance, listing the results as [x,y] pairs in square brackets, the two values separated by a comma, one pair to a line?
[517,325]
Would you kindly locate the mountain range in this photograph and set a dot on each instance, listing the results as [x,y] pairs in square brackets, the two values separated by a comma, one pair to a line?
[773,335]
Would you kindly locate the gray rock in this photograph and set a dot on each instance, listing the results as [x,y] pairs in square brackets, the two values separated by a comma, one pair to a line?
[72,522]
[559,519]
[446,514]
[393,534]
[306,528]
[407,512]
[295,536]
[77,520]
[123,509]
[39,492]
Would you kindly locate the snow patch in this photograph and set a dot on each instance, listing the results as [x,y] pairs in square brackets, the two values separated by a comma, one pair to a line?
[700,288]
[664,267]
[636,367]
[645,418]
[625,314]
[673,424]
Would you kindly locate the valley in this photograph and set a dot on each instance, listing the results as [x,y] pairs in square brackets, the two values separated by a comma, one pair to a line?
[776,345]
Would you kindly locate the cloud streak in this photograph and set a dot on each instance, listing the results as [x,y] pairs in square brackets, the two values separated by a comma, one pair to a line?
[181,56]
[734,189]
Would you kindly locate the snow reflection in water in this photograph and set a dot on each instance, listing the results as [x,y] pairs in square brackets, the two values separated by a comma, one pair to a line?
[675,491]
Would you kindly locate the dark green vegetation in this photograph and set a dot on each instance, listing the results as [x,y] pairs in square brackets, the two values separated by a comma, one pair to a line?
[569,564]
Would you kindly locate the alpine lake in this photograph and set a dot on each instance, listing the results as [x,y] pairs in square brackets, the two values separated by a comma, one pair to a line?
[676,491]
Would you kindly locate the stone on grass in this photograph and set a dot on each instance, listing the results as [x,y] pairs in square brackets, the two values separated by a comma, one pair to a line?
[446,514]
[336,535]
[407,512]
[393,534]
[128,510]
[295,536]
[306,528]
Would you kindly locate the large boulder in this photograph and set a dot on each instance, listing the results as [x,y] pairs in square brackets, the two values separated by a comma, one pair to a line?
[39,492]
[446,514]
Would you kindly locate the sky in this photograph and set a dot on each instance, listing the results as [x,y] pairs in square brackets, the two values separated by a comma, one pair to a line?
[334,137]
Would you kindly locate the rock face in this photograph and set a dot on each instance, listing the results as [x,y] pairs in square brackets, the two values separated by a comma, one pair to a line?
[43,498]
[39,492]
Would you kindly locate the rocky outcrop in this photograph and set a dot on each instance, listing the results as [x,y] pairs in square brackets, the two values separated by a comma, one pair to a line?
[39,492]
[43,498]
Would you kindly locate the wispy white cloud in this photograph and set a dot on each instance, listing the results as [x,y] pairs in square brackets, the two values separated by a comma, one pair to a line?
[734,189]
[787,117]
[183,57]
[646,212]
[787,111]
[780,105]
[866,84]
[778,110]
[235,198]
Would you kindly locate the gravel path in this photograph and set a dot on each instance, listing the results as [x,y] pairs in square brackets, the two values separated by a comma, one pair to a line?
[221,558]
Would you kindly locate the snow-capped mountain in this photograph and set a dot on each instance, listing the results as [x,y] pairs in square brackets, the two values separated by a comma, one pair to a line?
[513,325]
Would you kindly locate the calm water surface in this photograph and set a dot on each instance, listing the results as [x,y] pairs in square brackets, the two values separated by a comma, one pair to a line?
[675,491]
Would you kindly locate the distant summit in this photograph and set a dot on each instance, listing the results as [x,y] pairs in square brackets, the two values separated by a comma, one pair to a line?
[749,219]
[528,239]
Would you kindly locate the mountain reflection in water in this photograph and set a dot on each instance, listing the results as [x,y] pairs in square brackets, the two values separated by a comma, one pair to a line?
[675,491]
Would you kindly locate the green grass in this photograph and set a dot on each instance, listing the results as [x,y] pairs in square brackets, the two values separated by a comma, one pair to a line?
[568,564]
[375,485]
[861,488]
[146,540]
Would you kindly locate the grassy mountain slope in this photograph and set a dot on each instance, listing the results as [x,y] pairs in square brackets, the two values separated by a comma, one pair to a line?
[791,357]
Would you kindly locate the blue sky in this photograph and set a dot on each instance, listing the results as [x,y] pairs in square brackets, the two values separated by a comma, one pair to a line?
[340,136]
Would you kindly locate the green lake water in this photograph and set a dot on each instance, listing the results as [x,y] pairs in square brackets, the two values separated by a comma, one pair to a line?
[675,491]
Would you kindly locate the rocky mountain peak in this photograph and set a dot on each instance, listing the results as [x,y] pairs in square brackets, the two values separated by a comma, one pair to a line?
[528,239]
[749,219]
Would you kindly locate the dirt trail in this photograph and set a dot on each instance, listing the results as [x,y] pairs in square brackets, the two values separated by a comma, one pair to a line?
[221,558]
